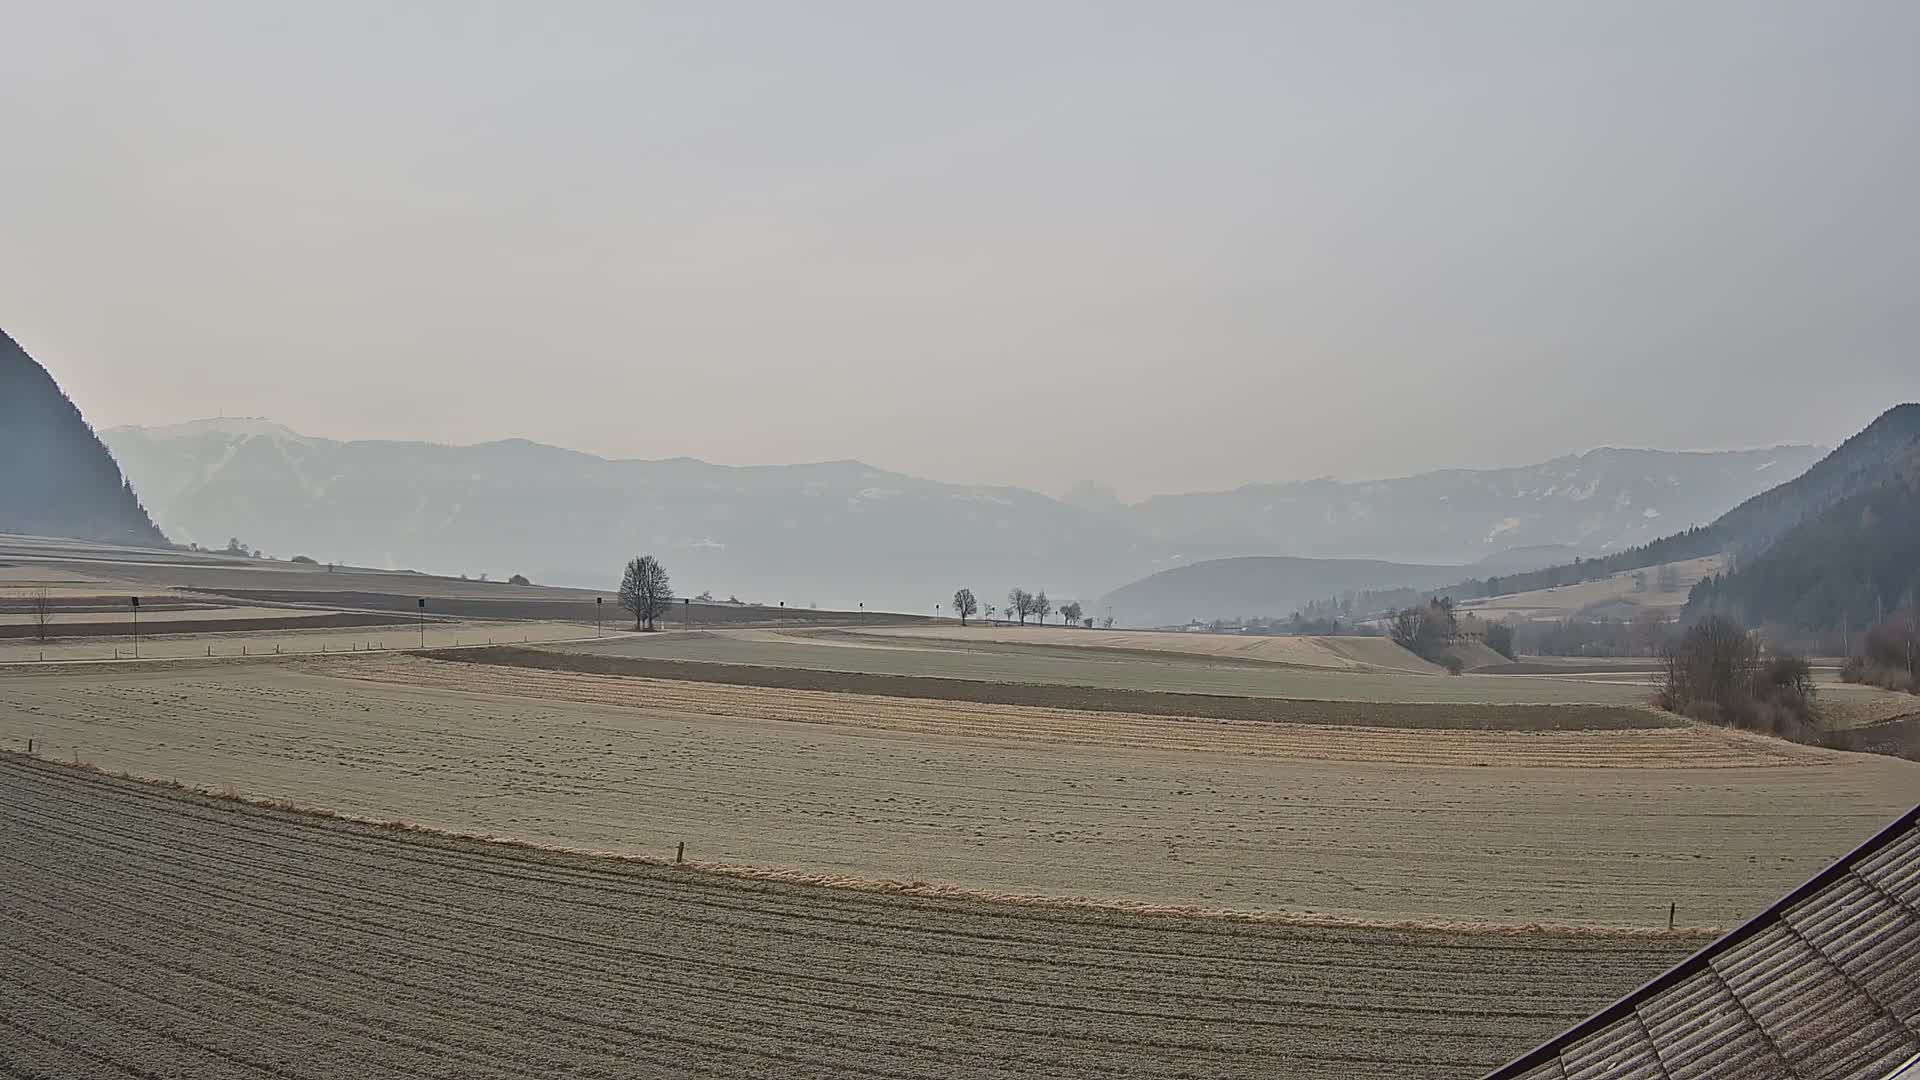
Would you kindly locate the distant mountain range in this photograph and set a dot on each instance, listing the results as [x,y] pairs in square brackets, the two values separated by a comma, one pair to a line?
[1836,546]
[842,533]
[56,479]
[1596,502]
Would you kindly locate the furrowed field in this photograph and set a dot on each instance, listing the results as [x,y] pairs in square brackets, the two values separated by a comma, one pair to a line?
[197,937]
[1428,818]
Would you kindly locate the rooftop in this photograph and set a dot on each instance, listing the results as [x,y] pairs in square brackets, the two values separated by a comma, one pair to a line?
[1825,983]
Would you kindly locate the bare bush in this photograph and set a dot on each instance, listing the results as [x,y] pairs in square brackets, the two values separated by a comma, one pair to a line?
[1715,674]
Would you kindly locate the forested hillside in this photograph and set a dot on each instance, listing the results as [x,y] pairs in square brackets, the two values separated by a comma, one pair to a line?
[1842,568]
[1860,464]
[56,478]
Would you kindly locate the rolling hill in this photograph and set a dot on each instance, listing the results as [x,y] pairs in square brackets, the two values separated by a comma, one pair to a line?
[1258,587]
[56,478]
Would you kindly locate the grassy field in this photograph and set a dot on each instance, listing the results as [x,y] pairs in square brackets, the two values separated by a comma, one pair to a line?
[1428,715]
[1595,827]
[1064,665]
[1613,596]
[204,938]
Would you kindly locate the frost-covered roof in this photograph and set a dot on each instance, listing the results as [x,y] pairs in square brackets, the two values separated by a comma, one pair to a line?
[1825,983]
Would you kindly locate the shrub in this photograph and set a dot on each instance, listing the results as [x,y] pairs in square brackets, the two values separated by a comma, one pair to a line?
[518,579]
[1453,664]
[1714,674]
[303,559]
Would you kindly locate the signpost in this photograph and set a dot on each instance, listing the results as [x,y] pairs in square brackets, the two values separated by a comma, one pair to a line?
[135,601]
[423,622]
[598,603]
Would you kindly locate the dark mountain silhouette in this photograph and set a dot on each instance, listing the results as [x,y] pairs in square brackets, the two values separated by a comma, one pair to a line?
[56,477]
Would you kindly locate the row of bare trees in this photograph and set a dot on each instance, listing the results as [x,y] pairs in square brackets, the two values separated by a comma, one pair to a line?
[1021,604]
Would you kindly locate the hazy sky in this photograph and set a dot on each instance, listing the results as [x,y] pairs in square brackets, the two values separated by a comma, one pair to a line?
[1170,245]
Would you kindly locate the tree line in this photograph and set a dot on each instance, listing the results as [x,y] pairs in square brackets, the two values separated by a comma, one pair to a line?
[1021,605]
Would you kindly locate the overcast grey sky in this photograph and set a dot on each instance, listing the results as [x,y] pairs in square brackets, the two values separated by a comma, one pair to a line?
[1169,245]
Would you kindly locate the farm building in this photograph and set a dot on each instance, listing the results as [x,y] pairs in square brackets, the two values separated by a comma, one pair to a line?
[1825,983]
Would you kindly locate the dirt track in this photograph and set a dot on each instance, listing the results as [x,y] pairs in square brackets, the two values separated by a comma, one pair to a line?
[155,933]
[1015,801]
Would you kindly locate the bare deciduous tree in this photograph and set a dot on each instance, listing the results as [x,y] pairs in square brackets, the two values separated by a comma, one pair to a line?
[964,604]
[1020,603]
[1042,607]
[645,591]
[1070,613]
[40,607]
[1667,578]
[1713,663]
[1407,626]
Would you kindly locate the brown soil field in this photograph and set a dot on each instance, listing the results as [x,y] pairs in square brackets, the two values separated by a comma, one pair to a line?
[154,933]
[1593,827]
[189,639]
[200,622]
[1852,705]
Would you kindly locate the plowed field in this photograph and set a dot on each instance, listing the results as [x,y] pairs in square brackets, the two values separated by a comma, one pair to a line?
[1580,827]
[152,933]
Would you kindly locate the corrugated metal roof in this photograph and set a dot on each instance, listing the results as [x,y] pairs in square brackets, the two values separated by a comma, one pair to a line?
[1825,983]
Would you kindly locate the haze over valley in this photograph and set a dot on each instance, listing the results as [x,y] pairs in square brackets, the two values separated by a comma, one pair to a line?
[844,533]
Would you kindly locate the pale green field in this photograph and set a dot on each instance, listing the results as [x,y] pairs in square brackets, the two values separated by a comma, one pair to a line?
[1105,668]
